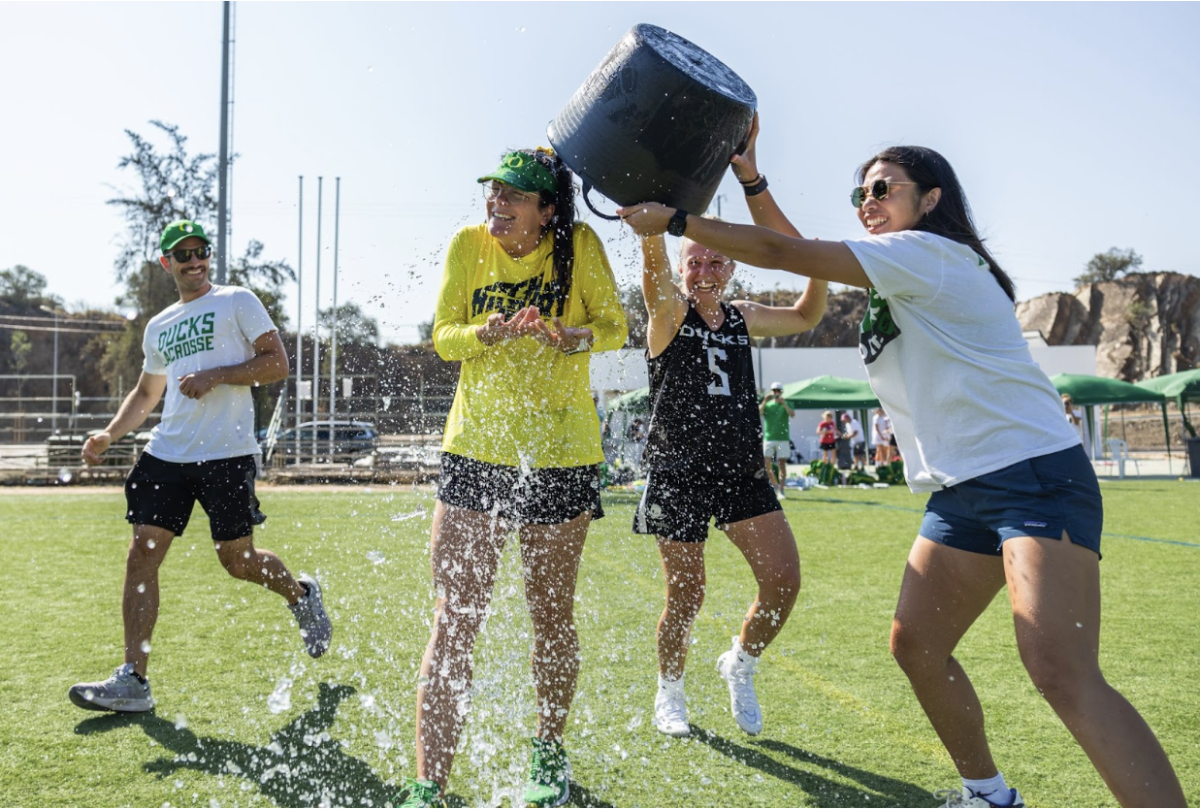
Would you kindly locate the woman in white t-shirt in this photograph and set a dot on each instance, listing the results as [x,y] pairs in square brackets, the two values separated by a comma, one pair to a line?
[974,416]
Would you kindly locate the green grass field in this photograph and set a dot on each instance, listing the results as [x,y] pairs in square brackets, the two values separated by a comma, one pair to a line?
[245,718]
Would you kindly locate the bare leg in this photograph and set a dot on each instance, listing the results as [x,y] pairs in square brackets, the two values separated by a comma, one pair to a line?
[1054,586]
[944,591]
[464,552]
[683,569]
[782,473]
[139,600]
[769,462]
[550,558]
[258,566]
[767,544]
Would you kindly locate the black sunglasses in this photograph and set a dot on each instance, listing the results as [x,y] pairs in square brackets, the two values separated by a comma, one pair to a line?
[184,255]
[878,189]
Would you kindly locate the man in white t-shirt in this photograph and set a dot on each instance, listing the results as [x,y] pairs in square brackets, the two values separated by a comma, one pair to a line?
[204,353]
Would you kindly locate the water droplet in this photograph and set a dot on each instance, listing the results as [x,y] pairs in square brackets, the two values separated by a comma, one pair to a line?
[150,543]
[376,556]
[280,699]
[141,588]
[146,647]
[1078,625]
[180,724]
[65,476]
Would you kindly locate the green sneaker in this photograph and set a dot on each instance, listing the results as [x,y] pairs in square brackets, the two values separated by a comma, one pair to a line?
[420,794]
[549,775]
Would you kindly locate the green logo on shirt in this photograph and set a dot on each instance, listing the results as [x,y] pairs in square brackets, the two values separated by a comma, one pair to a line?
[187,337]
[877,329]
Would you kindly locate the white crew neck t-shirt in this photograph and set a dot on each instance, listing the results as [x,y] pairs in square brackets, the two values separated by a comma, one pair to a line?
[213,331]
[944,354]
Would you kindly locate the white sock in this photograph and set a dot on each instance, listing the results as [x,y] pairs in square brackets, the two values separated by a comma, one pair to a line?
[670,685]
[988,787]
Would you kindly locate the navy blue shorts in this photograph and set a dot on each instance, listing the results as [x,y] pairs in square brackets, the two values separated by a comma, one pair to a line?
[549,496]
[1039,497]
[162,494]
[679,504]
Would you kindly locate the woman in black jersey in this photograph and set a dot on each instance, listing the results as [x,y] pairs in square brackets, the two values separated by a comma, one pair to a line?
[704,457]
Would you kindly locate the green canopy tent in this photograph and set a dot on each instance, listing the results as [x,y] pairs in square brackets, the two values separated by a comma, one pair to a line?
[833,392]
[1183,387]
[1087,390]
[634,401]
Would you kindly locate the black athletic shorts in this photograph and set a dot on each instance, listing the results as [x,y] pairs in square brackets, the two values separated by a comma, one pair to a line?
[548,496]
[679,504]
[162,494]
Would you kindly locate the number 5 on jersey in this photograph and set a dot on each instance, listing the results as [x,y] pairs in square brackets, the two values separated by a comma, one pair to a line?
[720,386]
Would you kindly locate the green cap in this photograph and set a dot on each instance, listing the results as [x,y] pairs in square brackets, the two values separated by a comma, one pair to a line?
[179,230]
[523,172]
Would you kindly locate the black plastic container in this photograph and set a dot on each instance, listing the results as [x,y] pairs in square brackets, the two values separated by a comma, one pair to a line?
[657,121]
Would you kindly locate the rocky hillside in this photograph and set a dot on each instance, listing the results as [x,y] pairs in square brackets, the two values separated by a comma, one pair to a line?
[1143,325]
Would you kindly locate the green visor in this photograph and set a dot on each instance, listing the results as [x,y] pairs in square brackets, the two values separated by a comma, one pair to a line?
[523,172]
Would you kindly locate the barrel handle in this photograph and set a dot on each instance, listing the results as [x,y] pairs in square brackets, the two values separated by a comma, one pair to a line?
[587,201]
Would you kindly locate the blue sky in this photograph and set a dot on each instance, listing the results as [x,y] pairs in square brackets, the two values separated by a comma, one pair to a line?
[1070,125]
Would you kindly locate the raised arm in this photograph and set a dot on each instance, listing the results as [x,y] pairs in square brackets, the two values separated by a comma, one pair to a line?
[666,305]
[759,246]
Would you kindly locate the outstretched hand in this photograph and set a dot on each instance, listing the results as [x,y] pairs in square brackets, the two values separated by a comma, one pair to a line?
[745,165]
[647,218]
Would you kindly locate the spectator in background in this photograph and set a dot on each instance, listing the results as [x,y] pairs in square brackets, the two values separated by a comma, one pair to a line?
[777,436]
[852,431]
[881,437]
[1073,414]
[827,433]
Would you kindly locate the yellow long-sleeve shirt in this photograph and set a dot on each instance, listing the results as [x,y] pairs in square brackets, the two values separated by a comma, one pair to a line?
[520,402]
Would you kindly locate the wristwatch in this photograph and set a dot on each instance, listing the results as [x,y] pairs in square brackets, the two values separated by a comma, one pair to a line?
[678,223]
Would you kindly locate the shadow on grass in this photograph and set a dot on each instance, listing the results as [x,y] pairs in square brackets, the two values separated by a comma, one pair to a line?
[825,792]
[301,766]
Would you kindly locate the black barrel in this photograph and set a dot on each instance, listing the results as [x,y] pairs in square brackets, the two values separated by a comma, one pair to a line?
[657,121]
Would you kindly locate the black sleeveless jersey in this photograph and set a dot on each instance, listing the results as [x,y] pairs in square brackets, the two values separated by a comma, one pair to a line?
[703,400]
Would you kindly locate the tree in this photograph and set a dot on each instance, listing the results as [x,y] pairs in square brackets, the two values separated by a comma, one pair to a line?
[19,350]
[1108,265]
[22,286]
[353,327]
[173,185]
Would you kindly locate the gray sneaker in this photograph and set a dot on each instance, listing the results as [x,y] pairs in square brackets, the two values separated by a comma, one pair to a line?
[123,691]
[312,618]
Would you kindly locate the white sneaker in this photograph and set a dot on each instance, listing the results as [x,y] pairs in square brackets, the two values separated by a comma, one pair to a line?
[123,691]
[954,798]
[782,494]
[311,616]
[670,714]
[738,669]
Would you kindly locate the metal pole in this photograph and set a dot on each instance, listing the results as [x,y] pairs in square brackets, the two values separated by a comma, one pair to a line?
[317,322]
[337,207]
[300,311]
[223,160]
[54,381]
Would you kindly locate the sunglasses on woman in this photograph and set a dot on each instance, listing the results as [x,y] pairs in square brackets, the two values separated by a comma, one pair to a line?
[184,255]
[492,192]
[878,189]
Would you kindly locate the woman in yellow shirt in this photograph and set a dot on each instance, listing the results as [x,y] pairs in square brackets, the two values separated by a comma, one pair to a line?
[525,298]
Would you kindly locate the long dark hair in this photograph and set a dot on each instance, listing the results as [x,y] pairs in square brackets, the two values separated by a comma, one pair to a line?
[562,224]
[951,217]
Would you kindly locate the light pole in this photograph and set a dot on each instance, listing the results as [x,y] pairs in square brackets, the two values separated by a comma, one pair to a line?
[54,377]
